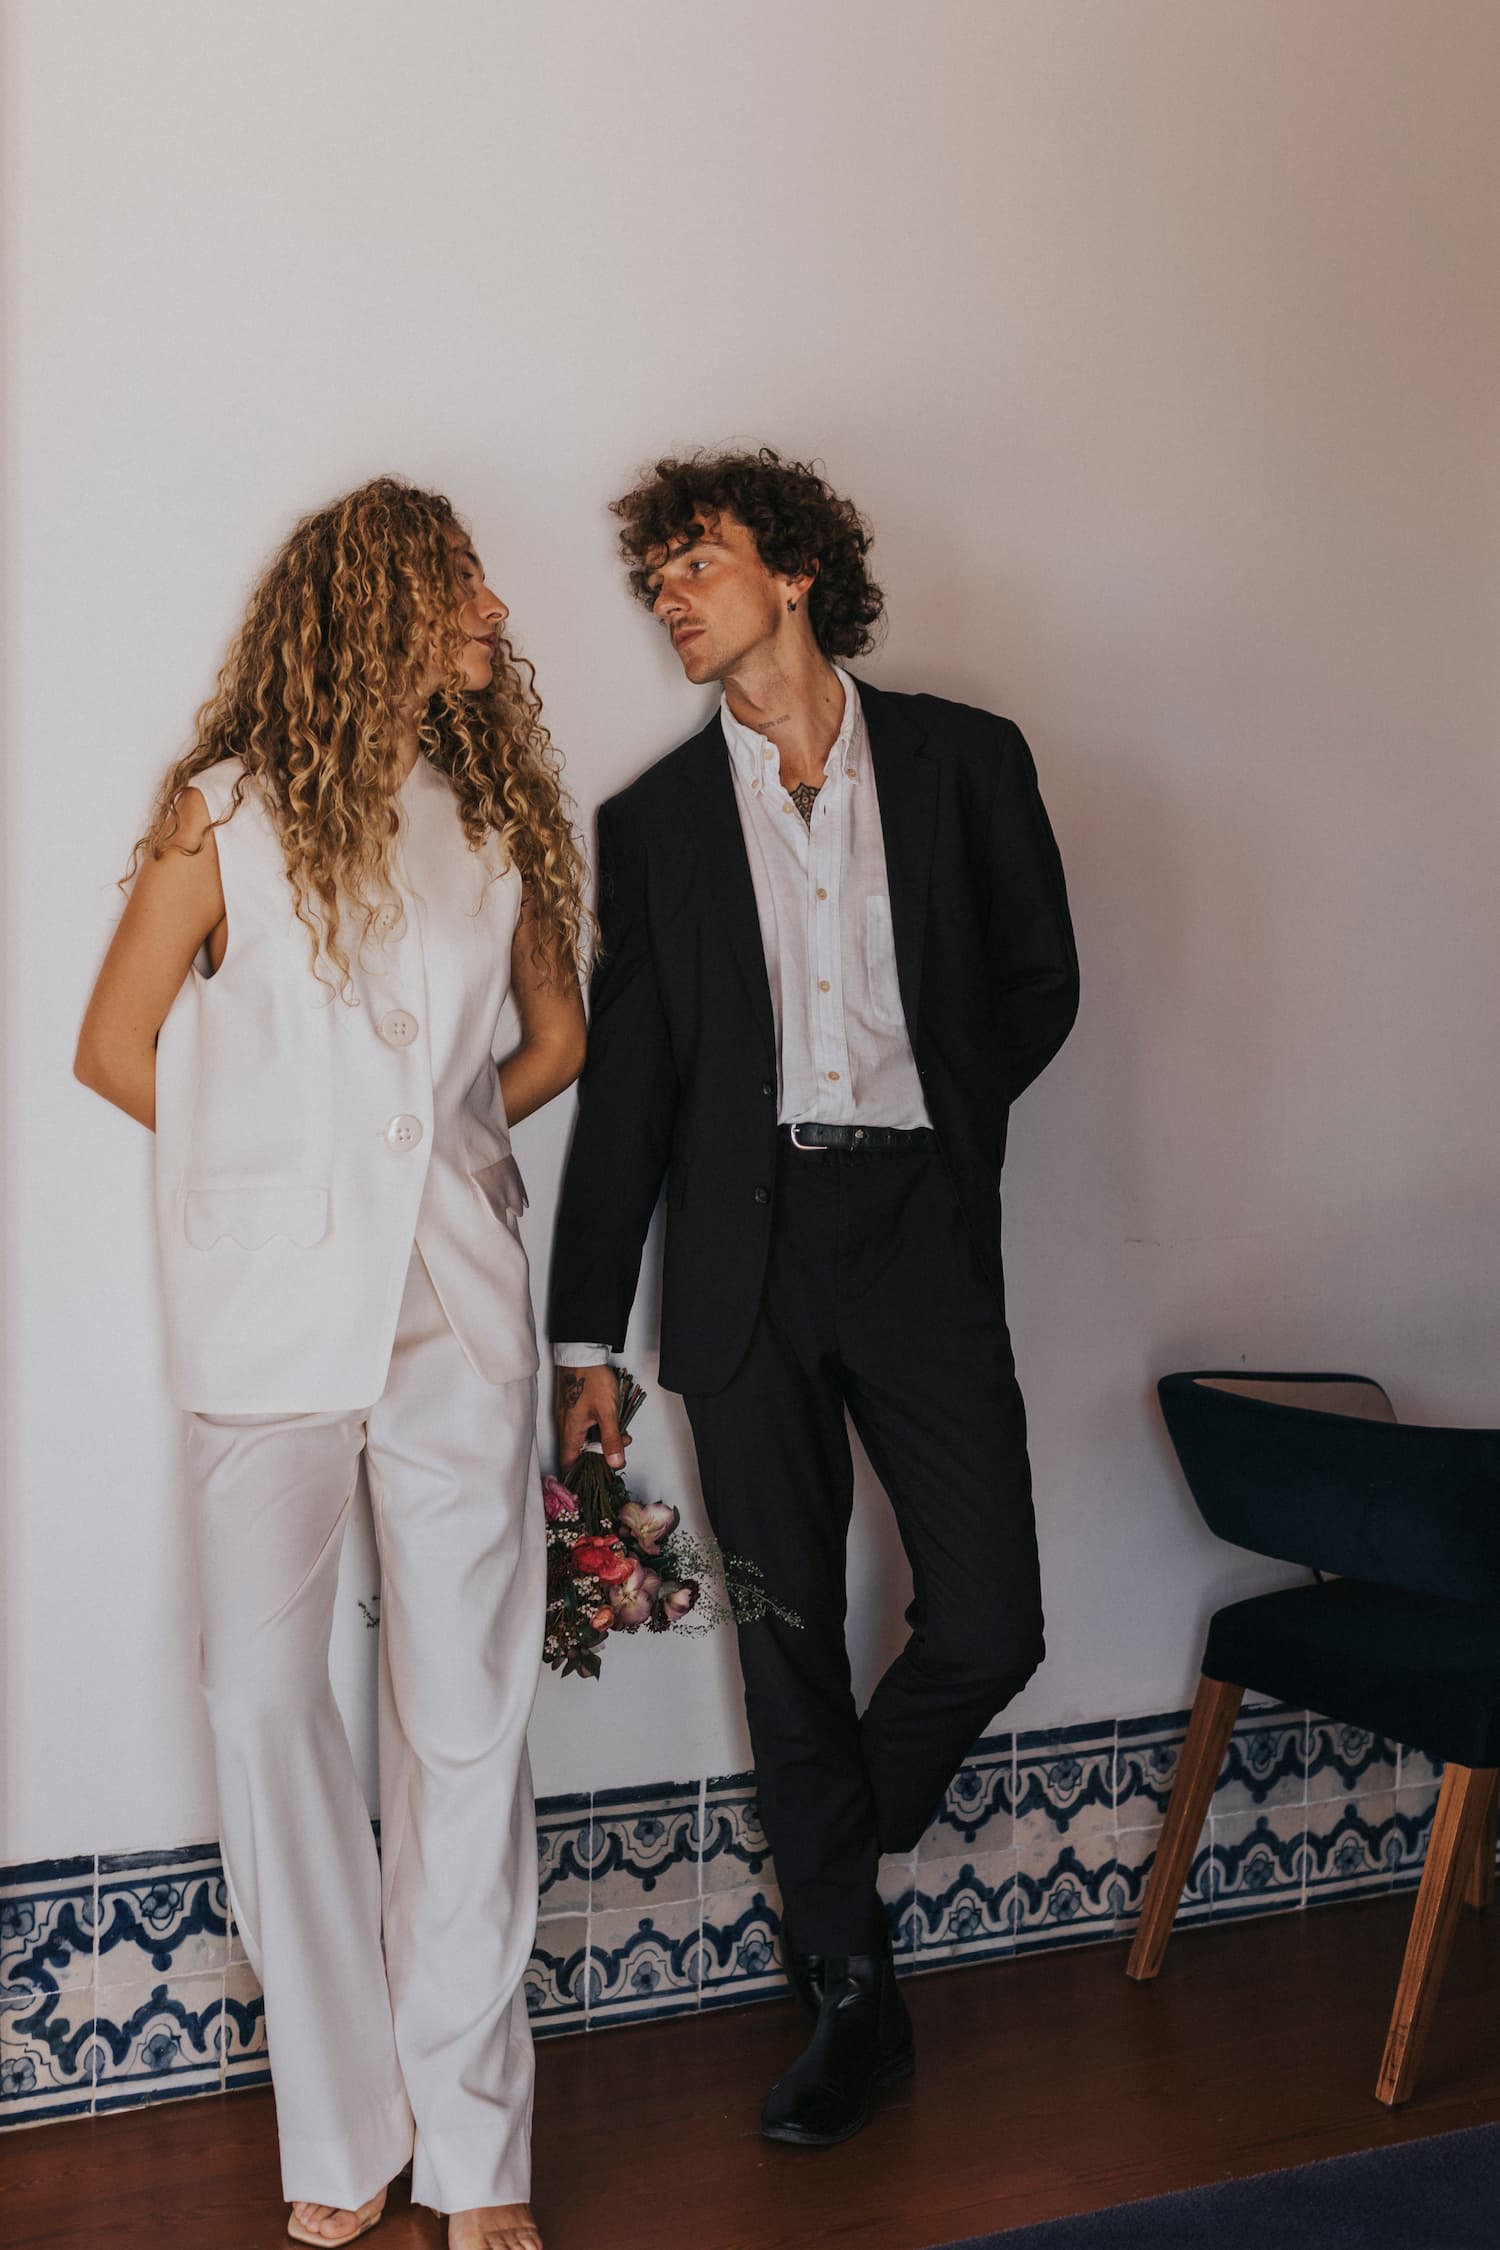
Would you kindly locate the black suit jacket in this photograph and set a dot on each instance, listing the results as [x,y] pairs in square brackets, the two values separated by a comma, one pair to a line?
[680,1082]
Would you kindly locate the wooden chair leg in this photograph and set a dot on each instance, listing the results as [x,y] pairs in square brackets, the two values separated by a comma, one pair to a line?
[1215,1708]
[1463,1802]
[1479,1891]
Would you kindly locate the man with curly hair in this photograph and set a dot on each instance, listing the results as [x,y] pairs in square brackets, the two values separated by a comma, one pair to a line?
[835,948]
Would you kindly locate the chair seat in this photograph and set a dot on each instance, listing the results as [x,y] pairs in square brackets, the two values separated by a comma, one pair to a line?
[1424,1671]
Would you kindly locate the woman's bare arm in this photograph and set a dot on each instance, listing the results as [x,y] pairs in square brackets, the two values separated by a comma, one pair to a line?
[175,904]
[553,1035]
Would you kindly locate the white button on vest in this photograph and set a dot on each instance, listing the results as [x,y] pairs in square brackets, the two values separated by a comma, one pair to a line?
[403,1133]
[397,1028]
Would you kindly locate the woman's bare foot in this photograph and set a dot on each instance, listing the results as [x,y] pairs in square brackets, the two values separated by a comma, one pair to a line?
[327,2222]
[500,2226]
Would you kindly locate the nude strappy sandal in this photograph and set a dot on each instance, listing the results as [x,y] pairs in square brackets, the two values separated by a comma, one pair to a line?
[296,2232]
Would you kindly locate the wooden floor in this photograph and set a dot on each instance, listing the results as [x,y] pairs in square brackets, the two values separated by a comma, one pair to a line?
[1044,2086]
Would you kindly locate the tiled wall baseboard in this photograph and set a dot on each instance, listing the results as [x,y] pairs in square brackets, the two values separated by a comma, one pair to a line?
[122,1979]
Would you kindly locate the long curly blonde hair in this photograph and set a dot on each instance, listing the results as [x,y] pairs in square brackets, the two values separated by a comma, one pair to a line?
[360,603]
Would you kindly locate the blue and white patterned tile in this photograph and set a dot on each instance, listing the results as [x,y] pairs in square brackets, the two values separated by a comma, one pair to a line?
[1256,1860]
[1405,1841]
[1348,1843]
[1347,1761]
[1135,1856]
[157,2041]
[966,1909]
[643,1846]
[733,1846]
[44,2067]
[47,1926]
[240,2032]
[1265,1764]
[1085,1826]
[739,1947]
[1064,1778]
[644,1965]
[563,1847]
[897,1883]
[1070,1900]
[1146,1754]
[555,1978]
[977,1812]
[1416,1768]
[161,1915]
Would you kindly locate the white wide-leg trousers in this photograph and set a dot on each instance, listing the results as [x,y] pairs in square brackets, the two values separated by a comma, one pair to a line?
[427,2046]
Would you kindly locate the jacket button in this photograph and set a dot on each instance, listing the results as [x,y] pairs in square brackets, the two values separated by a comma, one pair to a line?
[397,1028]
[403,1133]
[768,1088]
[762,1195]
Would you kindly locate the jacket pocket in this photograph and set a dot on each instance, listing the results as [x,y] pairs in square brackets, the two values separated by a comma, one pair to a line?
[502,1187]
[880,965]
[254,1216]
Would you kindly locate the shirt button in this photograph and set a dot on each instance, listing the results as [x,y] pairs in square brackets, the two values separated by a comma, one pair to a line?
[824,985]
[397,1028]
[762,1195]
[833,1074]
[403,1133]
[849,770]
[789,808]
[822,894]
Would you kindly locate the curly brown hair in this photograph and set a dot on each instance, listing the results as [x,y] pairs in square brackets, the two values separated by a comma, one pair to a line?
[799,523]
[351,613]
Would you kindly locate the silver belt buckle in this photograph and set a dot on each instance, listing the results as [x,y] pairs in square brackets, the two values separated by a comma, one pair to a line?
[808,1148]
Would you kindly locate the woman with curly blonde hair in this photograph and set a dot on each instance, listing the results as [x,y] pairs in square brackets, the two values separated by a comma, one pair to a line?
[365,854]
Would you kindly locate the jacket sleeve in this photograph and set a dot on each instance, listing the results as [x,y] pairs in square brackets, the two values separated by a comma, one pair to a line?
[627,1099]
[1032,962]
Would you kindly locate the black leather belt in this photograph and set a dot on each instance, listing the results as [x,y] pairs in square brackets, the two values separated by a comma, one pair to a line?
[872,1138]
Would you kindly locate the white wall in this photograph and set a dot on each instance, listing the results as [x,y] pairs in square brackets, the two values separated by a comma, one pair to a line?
[1159,339]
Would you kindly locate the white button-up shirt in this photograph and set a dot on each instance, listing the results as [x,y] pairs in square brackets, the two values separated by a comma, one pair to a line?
[843,1056]
[821,891]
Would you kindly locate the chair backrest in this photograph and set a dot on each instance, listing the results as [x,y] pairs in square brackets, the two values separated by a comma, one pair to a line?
[1316,1469]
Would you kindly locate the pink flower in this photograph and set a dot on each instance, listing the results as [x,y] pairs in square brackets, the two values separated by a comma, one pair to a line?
[635,1596]
[677,1600]
[647,1524]
[557,1500]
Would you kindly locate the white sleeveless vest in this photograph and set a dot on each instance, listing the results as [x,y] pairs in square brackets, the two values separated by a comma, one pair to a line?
[303,1143]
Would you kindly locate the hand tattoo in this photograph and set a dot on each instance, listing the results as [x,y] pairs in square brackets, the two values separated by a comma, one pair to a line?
[569,1389]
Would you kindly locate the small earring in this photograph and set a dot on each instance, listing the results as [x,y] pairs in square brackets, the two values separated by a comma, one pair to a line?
[791,605]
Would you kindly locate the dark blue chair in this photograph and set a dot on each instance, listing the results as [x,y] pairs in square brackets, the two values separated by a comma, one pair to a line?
[1398,1632]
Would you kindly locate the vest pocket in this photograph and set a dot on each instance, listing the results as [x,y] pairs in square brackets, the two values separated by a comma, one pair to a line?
[254,1216]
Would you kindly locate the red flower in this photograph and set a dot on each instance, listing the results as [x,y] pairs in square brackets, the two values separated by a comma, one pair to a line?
[603,1559]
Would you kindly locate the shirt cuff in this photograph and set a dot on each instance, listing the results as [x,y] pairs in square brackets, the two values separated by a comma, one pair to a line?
[579,1355]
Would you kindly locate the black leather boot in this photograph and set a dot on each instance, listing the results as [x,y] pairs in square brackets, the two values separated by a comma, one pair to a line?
[862,2041]
[804,1973]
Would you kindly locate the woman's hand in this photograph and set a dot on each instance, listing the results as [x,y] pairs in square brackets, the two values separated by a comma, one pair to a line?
[176,904]
[553,1035]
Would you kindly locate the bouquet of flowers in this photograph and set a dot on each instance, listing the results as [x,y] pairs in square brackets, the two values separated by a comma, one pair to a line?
[615,1564]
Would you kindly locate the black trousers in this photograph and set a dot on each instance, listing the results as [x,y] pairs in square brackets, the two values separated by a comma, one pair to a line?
[873,1303]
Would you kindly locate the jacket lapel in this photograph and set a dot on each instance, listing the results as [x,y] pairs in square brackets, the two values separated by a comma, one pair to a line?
[713,815]
[906,784]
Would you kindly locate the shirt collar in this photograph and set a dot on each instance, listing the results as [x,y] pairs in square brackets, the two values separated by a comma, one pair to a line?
[747,749]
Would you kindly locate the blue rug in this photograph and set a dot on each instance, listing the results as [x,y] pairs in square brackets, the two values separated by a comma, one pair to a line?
[1437,2194]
